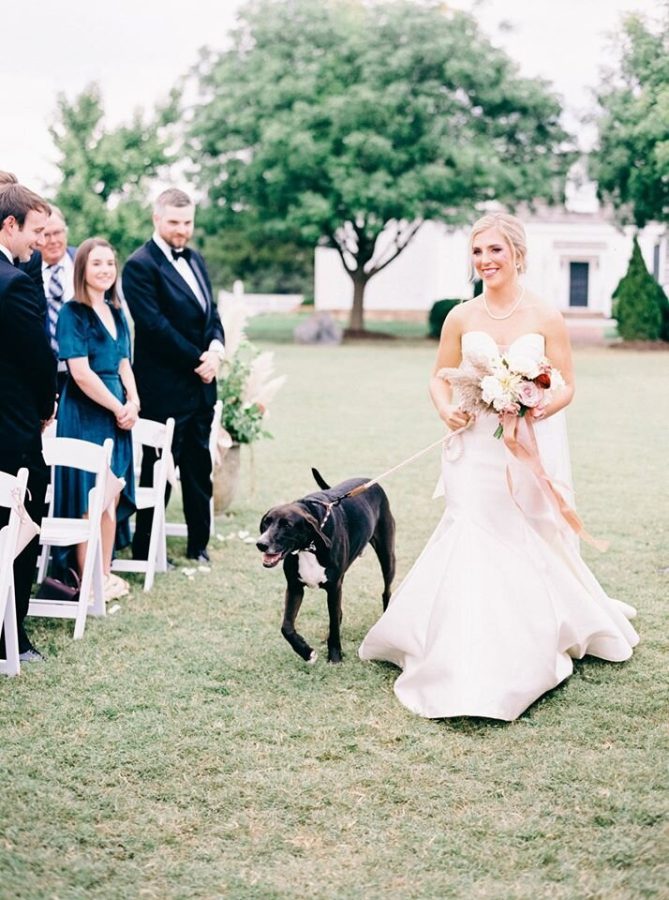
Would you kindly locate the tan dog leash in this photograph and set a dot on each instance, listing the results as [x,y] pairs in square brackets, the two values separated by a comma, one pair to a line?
[449,442]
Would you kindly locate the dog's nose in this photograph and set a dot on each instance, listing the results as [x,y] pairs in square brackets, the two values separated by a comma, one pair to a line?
[262,546]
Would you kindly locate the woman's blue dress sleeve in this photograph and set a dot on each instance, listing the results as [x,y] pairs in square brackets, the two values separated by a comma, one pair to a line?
[72,331]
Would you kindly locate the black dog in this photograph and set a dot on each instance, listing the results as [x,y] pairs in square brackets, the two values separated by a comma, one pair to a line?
[317,550]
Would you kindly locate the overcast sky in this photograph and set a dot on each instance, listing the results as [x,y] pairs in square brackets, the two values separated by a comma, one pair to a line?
[137,49]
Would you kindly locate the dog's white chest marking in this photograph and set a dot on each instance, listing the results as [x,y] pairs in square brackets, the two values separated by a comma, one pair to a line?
[311,572]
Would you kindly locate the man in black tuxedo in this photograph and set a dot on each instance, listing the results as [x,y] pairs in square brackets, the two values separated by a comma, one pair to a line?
[178,348]
[27,376]
[33,267]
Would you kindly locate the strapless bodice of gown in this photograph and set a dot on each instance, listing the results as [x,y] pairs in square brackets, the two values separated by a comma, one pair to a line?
[529,344]
[500,601]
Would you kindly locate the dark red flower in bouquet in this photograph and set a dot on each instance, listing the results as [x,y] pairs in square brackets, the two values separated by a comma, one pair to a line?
[543,379]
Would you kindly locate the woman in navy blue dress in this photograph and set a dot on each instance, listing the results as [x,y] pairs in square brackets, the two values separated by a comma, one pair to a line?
[99,400]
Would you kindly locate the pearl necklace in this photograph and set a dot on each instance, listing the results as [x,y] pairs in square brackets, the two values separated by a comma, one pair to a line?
[510,312]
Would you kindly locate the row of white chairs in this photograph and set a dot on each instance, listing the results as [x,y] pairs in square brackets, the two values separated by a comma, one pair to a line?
[12,495]
[56,531]
[61,532]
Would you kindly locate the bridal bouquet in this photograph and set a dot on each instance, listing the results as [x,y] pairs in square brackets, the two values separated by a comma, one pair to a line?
[505,384]
[509,385]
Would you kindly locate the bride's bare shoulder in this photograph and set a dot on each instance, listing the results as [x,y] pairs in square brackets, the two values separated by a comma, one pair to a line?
[550,320]
[547,314]
[462,313]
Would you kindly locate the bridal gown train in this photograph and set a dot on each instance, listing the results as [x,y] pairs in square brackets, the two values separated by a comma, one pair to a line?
[499,602]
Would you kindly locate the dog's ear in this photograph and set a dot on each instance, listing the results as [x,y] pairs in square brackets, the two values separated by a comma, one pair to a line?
[318,478]
[264,522]
[314,524]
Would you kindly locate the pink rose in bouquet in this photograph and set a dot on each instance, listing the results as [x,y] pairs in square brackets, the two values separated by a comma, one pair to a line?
[530,394]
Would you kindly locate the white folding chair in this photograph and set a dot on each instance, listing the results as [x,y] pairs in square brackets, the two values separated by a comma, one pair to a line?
[64,532]
[12,493]
[147,433]
[179,529]
[49,432]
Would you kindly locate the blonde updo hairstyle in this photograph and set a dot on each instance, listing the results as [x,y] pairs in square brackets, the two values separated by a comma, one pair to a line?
[513,231]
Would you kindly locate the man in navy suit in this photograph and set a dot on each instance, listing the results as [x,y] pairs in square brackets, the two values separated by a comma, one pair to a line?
[178,348]
[57,273]
[27,375]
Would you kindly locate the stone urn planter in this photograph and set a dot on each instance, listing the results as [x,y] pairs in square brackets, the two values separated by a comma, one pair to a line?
[226,477]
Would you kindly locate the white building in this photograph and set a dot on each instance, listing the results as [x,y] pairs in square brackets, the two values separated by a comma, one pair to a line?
[576,256]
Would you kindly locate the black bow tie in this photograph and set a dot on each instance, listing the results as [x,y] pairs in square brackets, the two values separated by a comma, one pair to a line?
[184,253]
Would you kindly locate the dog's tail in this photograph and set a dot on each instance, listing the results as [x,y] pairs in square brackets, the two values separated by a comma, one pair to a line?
[320,481]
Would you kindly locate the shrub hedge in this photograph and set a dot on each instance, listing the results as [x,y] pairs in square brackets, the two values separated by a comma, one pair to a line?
[437,314]
[640,305]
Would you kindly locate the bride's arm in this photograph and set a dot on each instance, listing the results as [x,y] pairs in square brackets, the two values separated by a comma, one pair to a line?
[449,355]
[558,351]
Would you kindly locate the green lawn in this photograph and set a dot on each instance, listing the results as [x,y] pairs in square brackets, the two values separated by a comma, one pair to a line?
[182,750]
[279,327]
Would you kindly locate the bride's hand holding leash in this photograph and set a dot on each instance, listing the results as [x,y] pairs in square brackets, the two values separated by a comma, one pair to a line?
[455,417]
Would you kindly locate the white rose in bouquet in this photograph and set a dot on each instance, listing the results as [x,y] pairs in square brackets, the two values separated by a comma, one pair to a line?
[523,365]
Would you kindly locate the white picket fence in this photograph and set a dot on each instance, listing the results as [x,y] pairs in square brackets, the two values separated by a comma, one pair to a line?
[259,303]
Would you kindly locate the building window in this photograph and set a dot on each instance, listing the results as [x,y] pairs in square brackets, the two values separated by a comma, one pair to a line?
[656,262]
[578,283]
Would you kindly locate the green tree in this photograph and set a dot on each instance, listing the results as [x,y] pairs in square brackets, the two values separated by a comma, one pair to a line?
[329,120]
[265,264]
[639,303]
[631,162]
[105,173]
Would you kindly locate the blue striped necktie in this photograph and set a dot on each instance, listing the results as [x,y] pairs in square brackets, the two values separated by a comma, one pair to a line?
[54,304]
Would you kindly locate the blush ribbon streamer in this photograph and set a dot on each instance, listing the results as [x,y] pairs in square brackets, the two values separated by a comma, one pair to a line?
[529,455]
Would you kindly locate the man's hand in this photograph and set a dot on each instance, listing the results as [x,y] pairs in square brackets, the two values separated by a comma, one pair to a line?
[46,422]
[208,368]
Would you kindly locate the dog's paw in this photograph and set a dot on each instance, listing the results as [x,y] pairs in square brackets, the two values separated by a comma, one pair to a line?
[313,656]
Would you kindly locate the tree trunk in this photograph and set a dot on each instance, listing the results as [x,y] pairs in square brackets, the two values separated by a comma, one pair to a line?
[357,320]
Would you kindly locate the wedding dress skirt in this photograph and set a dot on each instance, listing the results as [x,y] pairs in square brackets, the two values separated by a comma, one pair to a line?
[499,602]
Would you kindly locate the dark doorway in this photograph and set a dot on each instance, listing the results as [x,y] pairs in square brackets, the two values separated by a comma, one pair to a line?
[578,283]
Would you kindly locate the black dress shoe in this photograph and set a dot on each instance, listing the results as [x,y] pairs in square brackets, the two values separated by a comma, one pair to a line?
[200,556]
[31,655]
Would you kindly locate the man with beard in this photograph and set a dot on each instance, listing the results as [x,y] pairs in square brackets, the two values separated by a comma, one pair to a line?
[178,348]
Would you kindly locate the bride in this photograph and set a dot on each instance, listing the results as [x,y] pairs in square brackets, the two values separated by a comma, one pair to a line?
[499,602]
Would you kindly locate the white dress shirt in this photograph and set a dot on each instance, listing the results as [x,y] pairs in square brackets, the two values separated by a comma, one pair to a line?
[66,279]
[184,269]
[66,276]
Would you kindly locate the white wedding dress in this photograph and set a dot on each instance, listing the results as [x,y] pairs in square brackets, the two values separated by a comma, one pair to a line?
[499,601]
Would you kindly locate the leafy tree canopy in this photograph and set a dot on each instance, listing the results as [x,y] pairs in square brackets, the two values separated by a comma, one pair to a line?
[327,120]
[265,264]
[106,172]
[631,163]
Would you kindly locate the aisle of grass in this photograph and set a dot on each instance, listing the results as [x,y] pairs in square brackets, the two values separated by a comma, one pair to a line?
[183,750]
[279,327]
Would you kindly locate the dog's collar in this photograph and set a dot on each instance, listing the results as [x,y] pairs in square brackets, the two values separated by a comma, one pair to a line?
[329,506]
[311,548]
